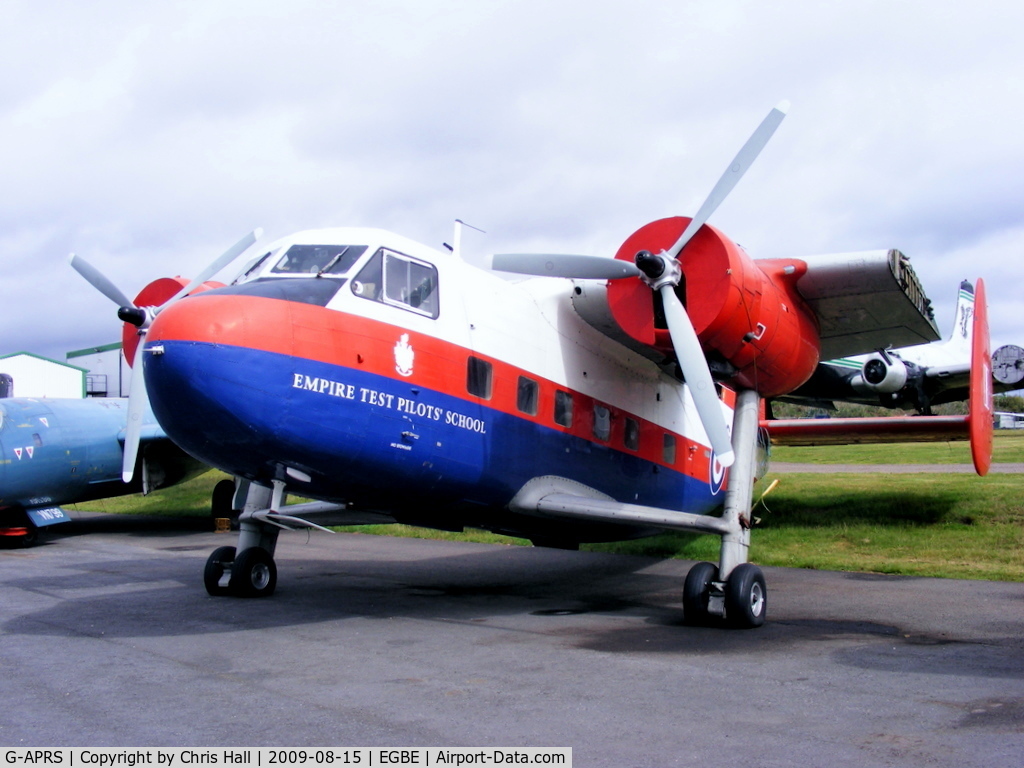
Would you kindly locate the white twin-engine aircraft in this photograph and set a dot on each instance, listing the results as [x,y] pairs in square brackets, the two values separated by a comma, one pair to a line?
[605,399]
[917,377]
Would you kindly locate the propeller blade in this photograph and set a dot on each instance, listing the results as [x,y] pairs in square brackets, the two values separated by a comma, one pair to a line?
[743,160]
[137,401]
[564,265]
[222,261]
[99,281]
[698,375]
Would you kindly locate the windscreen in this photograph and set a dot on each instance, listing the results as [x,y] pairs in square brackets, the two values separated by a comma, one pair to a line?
[318,259]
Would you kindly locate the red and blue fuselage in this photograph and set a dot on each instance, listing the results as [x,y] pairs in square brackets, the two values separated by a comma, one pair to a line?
[401,379]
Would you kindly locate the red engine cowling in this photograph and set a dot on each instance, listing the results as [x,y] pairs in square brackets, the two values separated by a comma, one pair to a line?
[156,293]
[747,312]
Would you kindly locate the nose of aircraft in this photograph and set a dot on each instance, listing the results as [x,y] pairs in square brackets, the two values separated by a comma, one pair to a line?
[219,367]
[204,376]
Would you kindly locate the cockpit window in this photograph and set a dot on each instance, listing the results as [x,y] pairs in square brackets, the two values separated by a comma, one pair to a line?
[251,267]
[399,280]
[318,259]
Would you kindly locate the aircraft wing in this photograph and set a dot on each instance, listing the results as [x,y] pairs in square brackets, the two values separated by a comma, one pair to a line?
[882,429]
[866,301]
[976,426]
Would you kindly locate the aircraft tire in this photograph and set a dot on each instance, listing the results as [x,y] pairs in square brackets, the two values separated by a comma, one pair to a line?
[216,564]
[254,573]
[746,597]
[28,539]
[697,591]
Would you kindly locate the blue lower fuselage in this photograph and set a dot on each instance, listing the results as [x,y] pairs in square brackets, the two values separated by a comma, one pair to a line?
[368,436]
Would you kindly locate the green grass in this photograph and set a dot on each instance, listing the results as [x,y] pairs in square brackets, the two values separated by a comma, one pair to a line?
[948,525]
[954,526]
[191,499]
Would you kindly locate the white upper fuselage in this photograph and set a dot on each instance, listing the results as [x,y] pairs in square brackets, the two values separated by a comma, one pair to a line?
[529,324]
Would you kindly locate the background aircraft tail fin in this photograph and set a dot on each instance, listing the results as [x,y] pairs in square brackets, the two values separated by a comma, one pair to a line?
[963,325]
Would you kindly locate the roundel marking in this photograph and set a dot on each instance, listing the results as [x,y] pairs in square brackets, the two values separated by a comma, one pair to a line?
[716,474]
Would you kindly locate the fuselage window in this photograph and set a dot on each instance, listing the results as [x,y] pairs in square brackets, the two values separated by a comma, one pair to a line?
[668,450]
[602,422]
[400,281]
[318,259]
[478,377]
[631,437]
[527,395]
[563,408]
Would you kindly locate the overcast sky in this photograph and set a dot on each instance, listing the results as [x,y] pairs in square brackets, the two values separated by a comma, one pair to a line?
[148,137]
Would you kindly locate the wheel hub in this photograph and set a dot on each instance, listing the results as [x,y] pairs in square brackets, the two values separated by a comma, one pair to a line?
[260,576]
[756,599]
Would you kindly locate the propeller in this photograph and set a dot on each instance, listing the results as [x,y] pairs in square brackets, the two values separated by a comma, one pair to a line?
[564,265]
[143,317]
[99,281]
[662,273]
[739,166]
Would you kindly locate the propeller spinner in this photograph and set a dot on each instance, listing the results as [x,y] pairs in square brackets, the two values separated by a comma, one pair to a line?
[662,273]
[142,317]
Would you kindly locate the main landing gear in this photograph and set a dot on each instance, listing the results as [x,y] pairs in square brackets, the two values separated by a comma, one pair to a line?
[742,599]
[733,590]
[247,570]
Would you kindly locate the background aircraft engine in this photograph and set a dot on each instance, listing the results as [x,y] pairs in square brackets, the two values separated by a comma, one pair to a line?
[881,375]
[1008,365]
[757,330]
[155,294]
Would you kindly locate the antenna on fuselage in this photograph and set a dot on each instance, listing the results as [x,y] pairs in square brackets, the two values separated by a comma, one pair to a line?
[457,248]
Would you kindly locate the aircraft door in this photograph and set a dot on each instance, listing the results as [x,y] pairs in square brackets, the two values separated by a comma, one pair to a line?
[461,454]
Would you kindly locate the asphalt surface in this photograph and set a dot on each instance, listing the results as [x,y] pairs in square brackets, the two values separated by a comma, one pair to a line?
[109,639]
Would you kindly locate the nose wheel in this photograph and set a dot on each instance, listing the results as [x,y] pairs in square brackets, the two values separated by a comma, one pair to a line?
[217,574]
[250,573]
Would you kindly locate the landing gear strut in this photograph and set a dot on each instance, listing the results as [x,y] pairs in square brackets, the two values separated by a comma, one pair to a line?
[734,589]
[249,569]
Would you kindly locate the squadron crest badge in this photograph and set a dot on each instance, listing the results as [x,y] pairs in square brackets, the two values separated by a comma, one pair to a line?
[404,356]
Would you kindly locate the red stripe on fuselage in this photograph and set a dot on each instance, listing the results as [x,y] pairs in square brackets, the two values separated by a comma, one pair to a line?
[311,332]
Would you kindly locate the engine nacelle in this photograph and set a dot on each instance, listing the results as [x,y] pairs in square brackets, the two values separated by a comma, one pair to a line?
[748,315]
[1008,365]
[155,294]
[881,376]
